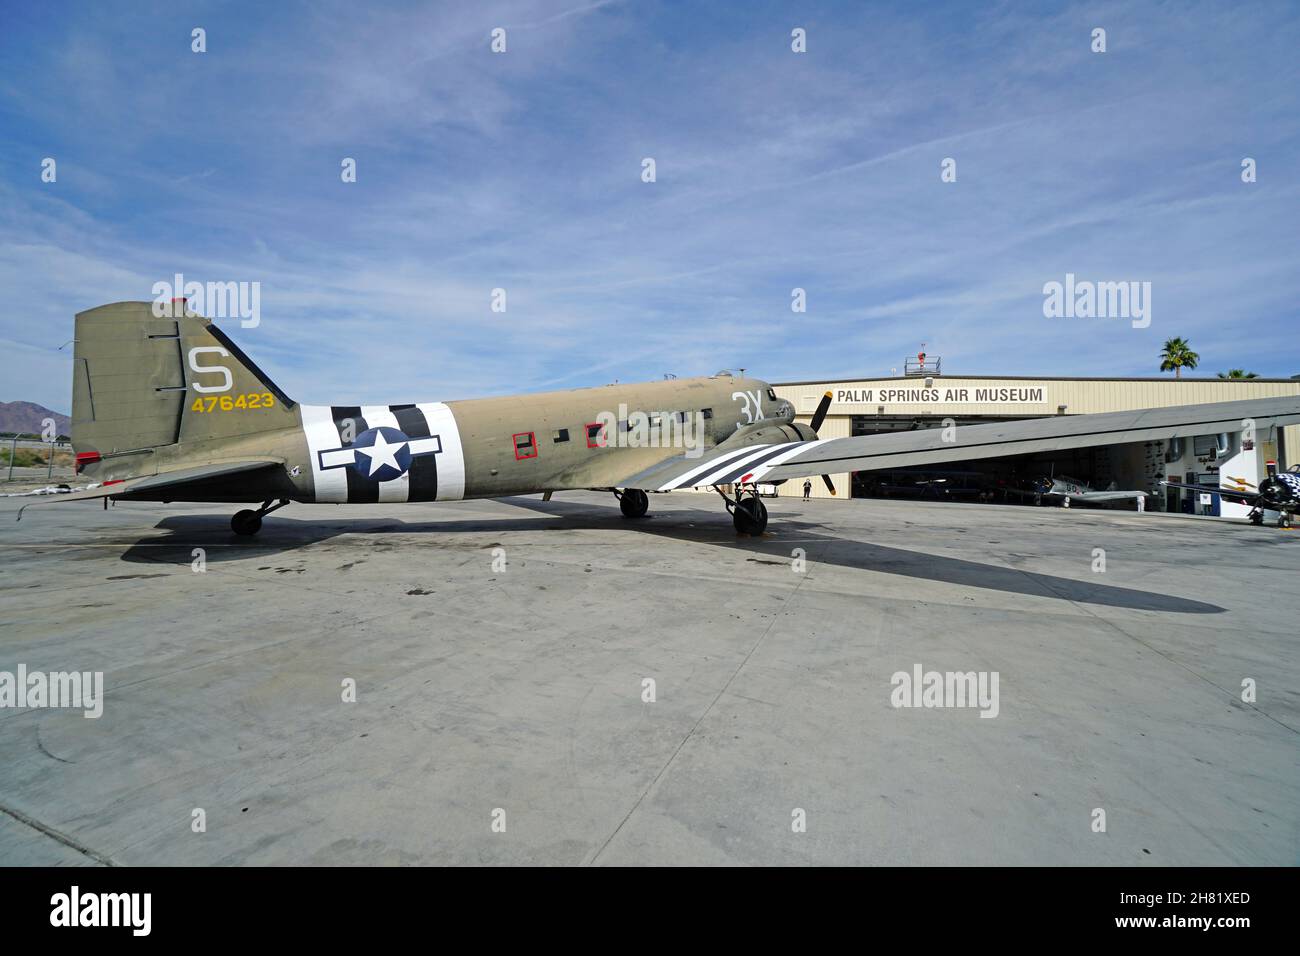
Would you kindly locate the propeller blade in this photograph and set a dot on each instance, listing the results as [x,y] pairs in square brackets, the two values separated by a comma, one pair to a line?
[819,416]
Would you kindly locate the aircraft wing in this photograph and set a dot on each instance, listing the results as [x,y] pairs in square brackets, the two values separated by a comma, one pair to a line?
[1109,495]
[1244,497]
[800,459]
[171,480]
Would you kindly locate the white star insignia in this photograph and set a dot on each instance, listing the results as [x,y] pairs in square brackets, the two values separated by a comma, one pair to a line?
[381,453]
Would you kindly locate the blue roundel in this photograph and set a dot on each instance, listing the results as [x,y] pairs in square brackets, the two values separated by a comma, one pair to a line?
[381,454]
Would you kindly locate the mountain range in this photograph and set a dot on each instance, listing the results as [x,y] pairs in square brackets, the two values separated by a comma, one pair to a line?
[28,417]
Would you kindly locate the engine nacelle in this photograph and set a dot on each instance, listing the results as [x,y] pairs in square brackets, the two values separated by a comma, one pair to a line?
[768,433]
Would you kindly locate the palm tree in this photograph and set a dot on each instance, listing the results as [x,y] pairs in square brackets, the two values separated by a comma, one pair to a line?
[1237,373]
[1177,356]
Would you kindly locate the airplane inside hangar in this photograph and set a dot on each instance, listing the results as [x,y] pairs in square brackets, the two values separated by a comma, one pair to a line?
[924,397]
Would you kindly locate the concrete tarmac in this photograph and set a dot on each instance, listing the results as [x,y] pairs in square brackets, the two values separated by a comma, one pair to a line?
[500,652]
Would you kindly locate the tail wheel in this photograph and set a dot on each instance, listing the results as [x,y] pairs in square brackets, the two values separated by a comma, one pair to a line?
[634,502]
[750,516]
[246,522]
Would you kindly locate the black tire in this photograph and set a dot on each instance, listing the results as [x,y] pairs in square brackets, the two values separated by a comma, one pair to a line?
[750,517]
[634,502]
[246,522]
[1256,517]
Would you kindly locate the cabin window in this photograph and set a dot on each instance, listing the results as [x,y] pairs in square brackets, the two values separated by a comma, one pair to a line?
[708,413]
[561,434]
[525,446]
[596,435]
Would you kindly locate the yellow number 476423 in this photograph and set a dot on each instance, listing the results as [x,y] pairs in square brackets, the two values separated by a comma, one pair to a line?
[226,403]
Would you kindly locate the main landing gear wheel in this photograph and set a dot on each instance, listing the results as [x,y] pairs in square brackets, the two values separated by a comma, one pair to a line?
[634,502]
[750,516]
[1257,517]
[249,521]
[246,522]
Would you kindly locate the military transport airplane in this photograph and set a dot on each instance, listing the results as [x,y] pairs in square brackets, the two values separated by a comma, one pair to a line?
[1279,492]
[170,409]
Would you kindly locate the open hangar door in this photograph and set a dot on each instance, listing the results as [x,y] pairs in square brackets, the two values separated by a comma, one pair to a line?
[1009,480]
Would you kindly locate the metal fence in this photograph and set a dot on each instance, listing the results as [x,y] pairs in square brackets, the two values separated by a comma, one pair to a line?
[49,448]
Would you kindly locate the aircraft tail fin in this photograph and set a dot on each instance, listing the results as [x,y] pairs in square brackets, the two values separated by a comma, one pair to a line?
[141,381]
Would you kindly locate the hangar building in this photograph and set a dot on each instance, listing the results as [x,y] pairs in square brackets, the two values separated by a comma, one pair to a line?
[924,399]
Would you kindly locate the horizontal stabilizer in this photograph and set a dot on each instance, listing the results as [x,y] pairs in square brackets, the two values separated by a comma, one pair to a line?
[152,483]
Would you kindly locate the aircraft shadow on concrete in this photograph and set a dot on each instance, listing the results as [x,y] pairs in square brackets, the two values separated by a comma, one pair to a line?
[694,526]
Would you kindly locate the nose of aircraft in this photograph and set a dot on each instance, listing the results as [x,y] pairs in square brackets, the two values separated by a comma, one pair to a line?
[778,409]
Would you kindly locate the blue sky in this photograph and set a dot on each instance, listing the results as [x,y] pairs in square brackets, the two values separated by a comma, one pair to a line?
[775,170]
